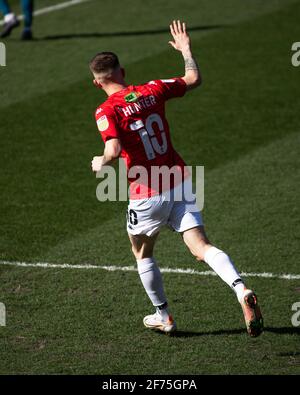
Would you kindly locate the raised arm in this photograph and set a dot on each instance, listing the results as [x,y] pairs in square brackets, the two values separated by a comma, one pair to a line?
[182,43]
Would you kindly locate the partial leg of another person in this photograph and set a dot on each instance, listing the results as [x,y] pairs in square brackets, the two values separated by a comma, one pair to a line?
[10,19]
[4,7]
[27,7]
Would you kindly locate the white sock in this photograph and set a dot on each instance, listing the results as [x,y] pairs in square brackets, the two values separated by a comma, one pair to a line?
[9,17]
[152,281]
[222,265]
[163,311]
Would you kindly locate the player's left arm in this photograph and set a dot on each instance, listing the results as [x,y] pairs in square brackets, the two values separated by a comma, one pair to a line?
[111,152]
[182,43]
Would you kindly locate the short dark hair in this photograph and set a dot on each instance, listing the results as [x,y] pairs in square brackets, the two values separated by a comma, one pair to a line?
[104,62]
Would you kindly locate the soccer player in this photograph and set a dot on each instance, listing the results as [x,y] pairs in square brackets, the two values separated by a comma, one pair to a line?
[11,21]
[133,125]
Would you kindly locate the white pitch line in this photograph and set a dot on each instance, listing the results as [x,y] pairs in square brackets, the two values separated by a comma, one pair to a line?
[52,8]
[46,265]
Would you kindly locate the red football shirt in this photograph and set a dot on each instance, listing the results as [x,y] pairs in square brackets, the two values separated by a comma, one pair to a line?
[136,116]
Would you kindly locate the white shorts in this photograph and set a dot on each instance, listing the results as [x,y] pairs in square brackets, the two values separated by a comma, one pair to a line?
[173,208]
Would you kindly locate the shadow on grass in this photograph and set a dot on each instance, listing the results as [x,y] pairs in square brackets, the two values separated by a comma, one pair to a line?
[289,354]
[209,333]
[123,33]
[279,331]
[288,330]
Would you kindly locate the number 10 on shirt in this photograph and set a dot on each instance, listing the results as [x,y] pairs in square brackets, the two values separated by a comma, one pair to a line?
[147,134]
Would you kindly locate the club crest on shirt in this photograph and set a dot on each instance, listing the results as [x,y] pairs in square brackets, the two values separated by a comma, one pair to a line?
[102,123]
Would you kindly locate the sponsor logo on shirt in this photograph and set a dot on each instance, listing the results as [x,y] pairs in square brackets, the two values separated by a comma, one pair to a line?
[132,97]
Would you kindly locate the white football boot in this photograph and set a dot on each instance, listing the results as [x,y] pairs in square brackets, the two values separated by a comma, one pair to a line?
[252,313]
[155,321]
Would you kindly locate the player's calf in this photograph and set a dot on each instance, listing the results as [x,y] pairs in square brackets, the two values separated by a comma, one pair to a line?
[152,281]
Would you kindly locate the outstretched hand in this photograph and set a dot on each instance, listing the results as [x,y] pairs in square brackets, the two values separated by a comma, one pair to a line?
[181,38]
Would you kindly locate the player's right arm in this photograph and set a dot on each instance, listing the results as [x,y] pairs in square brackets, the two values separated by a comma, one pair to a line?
[182,43]
[108,128]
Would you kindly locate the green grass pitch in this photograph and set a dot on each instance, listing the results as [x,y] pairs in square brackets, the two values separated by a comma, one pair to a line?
[242,124]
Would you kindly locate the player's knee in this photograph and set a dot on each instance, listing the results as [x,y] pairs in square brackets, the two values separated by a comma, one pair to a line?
[135,252]
[138,253]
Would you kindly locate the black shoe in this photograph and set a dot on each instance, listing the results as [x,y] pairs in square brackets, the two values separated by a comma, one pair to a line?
[9,26]
[26,35]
